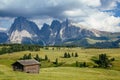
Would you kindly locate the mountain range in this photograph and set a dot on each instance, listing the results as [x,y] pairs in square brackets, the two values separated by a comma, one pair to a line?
[24,31]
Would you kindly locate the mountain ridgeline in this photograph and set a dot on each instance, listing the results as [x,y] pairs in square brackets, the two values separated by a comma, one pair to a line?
[24,31]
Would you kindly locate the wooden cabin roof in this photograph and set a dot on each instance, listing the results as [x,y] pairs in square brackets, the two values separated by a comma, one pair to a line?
[27,62]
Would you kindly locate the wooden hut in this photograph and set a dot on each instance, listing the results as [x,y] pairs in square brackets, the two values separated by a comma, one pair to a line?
[28,66]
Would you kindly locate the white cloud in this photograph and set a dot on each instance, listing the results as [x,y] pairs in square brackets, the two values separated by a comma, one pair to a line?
[3,29]
[93,3]
[74,13]
[92,17]
[83,12]
[102,21]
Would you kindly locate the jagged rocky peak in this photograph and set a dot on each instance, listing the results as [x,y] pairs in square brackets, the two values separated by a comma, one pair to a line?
[45,30]
[20,19]
[22,23]
[45,26]
[66,23]
[22,28]
[17,25]
[26,31]
[55,25]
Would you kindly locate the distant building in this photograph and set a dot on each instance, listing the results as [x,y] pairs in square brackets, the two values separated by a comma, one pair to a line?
[28,66]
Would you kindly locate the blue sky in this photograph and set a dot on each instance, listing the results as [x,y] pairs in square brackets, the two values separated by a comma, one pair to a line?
[102,15]
[117,10]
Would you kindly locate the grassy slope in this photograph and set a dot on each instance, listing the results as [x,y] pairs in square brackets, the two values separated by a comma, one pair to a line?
[62,73]
[93,41]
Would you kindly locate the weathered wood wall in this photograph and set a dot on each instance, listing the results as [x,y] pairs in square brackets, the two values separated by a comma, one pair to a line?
[31,69]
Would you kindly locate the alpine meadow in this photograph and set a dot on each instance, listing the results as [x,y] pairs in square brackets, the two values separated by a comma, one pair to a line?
[59,39]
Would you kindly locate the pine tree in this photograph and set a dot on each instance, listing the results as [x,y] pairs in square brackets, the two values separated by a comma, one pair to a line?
[72,54]
[68,55]
[29,56]
[84,64]
[76,54]
[103,61]
[65,55]
[52,48]
[37,58]
[24,57]
[56,61]
[46,57]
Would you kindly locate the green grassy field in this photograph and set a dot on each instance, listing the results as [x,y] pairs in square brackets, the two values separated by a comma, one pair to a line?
[66,71]
[61,73]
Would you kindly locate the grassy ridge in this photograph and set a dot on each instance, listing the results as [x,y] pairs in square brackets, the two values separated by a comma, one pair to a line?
[62,73]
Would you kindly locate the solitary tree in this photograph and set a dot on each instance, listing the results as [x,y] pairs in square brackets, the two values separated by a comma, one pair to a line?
[52,48]
[72,54]
[46,57]
[56,61]
[84,64]
[76,54]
